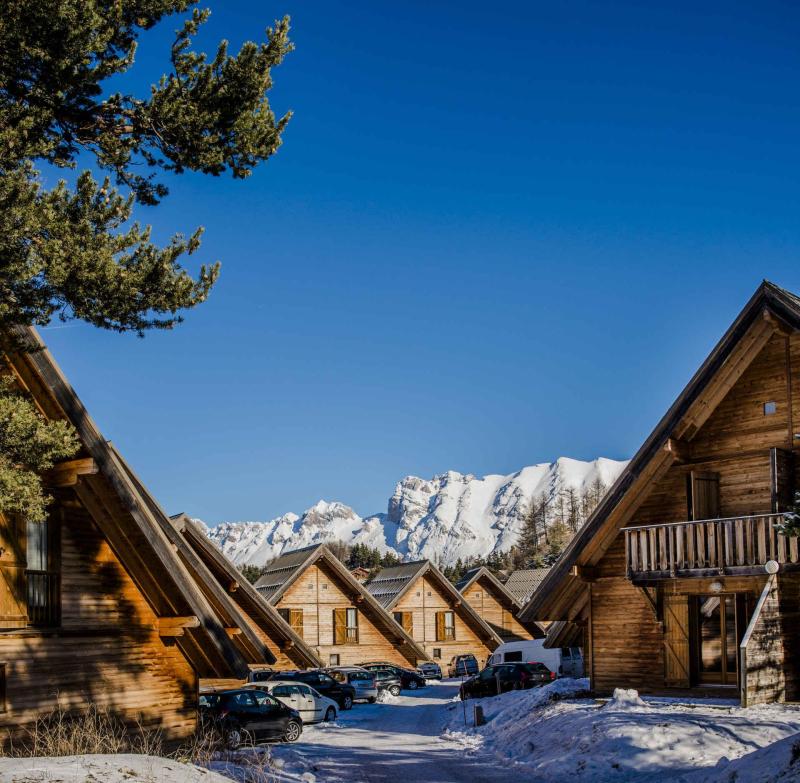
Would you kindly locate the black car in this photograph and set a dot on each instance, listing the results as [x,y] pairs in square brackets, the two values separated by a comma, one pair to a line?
[408,678]
[249,716]
[504,677]
[342,693]
[387,681]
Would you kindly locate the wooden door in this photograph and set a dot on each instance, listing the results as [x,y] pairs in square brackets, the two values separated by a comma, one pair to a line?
[703,495]
[676,641]
[781,464]
[13,593]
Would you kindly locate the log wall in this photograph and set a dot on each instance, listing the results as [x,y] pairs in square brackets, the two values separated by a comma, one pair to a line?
[106,652]
[492,611]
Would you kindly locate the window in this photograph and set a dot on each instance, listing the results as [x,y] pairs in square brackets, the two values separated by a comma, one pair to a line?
[445,626]
[345,626]
[324,586]
[513,656]
[295,619]
[405,620]
[703,495]
[478,594]
[334,659]
[566,652]
[437,653]
[770,408]
[42,577]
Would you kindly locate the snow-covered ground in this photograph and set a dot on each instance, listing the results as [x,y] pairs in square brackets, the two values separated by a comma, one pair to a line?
[122,768]
[553,733]
[449,516]
[627,738]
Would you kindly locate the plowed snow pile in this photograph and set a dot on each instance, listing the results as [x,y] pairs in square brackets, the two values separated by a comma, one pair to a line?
[556,732]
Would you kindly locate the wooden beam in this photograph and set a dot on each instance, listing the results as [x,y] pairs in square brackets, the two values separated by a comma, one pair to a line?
[175,626]
[584,573]
[235,631]
[233,587]
[65,474]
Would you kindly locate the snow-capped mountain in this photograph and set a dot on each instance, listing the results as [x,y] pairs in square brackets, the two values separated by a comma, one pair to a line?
[447,517]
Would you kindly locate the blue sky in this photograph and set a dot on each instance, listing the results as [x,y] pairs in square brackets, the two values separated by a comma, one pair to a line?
[491,237]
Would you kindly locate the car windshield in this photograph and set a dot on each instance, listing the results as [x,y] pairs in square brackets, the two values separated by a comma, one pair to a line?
[209,700]
[339,676]
[360,676]
[264,699]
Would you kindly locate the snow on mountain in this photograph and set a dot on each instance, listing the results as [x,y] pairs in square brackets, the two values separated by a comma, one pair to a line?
[450,516]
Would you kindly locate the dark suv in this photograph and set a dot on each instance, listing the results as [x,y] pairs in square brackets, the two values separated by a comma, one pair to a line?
[462,665]
[408,679]
[248,716]
[341,692]
[504,677]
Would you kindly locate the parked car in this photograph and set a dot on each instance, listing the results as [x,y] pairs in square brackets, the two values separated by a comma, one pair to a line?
[388,681]
[505,677]
[463,666]
[342,693]
[408,679]
[363,681]
[430,670]
[247,715]
[312,705]
[564,661]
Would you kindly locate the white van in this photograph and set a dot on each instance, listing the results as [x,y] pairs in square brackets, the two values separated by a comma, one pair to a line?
[564,661]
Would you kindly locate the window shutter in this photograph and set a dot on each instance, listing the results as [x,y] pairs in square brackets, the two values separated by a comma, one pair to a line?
[439,626]
[408,622]
[339,626]
[13,594]
[703,495]
[676,641]
[296,621]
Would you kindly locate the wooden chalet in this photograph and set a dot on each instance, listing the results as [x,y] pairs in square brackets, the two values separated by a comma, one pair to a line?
[431,610]
[97,604]
[333,612]
[258,616]
[488,596]
[679,579]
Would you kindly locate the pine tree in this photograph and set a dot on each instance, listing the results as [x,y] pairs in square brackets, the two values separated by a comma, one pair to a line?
[70,250]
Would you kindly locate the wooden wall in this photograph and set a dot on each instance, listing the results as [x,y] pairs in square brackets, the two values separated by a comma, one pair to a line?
[488,605]
[763,677]
[423,599]
[318,591]
[107,651]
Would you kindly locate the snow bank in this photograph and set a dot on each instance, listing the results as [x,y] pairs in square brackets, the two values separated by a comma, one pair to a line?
[384,697]
[554,733]
[120,768]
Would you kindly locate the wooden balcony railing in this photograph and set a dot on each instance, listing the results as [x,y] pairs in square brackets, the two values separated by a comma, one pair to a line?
[707,547]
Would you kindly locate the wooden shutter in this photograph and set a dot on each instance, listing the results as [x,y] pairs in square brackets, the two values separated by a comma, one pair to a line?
[676,641]
[339,626]
[13,593]
[408,623]
[296,621]
[781,464]
[439,626]
[703,495]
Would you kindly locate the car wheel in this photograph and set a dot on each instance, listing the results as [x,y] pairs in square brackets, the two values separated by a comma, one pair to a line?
[413,685]
[233,738]
[347,703]
[371,700]
[330,714]
[293,731]
[394,690]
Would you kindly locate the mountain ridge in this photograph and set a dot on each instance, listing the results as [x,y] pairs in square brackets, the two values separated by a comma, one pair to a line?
[449,516]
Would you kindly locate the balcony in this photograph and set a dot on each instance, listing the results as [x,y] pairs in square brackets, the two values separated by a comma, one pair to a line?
[736,546]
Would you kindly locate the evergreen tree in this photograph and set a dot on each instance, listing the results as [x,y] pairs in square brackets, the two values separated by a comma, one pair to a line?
[252,573]
[69,250]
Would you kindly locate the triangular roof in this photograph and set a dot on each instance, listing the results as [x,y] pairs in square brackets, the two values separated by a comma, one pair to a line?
[287,569]
[524,582]
[127,517]
[229,578]
[771,309]
[390,584]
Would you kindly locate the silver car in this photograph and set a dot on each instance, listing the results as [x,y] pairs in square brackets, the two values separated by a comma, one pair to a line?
[362,680]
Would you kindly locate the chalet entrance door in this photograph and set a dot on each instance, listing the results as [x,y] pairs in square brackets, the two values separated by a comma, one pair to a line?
[716,638]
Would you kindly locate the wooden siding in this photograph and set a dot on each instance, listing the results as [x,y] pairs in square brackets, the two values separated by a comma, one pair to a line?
[107,650]
[424,599]
[318,592]
[495,613]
